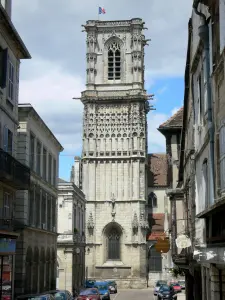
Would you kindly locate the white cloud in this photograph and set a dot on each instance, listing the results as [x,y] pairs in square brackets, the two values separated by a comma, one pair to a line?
[156,141]
[59,38]
[174,110]
[51,95]
[51,31]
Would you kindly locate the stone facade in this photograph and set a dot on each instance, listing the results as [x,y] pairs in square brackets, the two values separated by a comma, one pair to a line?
[13,175]
[36,208]
[115,151]
[71,239]
[159,216]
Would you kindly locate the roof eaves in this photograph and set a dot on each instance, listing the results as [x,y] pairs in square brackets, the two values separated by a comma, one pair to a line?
[9,25]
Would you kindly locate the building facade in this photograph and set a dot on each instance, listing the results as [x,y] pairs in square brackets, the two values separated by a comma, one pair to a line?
[201,167]
[71,239]
[209,31]
[172,130]
[114,156]
[36,208]
[159,264]
[13,175]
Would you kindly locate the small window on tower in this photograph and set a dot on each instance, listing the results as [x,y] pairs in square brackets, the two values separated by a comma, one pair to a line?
[114,61]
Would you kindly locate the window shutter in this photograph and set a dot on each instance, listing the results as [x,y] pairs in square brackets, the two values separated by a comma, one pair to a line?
[4,59]
[5,139]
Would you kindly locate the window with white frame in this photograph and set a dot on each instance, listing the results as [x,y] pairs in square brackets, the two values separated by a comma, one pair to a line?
[10,81]
[222,157]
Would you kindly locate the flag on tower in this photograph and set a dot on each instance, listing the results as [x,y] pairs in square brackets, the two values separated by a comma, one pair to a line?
[101,10]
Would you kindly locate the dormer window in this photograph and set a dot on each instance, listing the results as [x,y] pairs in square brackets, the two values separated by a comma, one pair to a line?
[114,61]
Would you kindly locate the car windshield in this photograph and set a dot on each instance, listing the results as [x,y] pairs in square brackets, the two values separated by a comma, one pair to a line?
[102,286]
[164,288]
[159,283]
[88,292]
[176,284]
[60,296]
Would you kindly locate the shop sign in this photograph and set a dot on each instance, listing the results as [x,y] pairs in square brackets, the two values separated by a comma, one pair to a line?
[7,246]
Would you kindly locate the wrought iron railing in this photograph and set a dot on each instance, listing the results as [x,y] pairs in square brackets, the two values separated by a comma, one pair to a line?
[13,172]
[6,220]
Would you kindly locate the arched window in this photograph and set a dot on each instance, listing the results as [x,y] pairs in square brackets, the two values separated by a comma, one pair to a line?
[114,61]
[152,200]
[113,244]
[154,260]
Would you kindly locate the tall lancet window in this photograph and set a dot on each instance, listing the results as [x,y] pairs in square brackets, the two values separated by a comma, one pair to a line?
[114,61]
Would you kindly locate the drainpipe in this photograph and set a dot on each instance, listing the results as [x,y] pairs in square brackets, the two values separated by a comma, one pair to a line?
[203,32]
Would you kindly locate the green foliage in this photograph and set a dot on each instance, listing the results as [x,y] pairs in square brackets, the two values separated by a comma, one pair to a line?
[75,231]
[176,272]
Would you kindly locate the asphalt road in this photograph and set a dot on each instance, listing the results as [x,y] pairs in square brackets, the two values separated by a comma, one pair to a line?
[146,294]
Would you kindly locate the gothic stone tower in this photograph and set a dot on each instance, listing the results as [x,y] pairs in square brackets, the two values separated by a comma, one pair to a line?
[114,151]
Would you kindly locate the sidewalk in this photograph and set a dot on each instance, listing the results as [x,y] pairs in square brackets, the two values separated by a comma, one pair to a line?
[181,296]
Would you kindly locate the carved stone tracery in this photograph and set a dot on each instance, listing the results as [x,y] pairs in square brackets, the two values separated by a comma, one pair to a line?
[90,224]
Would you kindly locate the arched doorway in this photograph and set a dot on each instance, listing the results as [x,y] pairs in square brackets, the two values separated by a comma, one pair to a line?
[47,268]
[35,270]
[42,271]
[28,275]
[53,268]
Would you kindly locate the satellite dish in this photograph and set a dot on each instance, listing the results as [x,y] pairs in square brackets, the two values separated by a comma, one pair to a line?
[183,241]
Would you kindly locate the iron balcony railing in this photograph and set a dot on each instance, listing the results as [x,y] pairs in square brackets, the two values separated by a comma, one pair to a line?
[12,172]
[6,220]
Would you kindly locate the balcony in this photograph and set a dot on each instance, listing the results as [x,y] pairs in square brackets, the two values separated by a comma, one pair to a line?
[6,220]
[182,259]
[13,173]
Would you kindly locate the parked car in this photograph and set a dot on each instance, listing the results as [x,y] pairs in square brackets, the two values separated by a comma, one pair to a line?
[176,287]
[103,288]
[157,286]
[36,297]
[88,284]
[61,295]
[112,286]
[182,284]
[166,292]
[89,294]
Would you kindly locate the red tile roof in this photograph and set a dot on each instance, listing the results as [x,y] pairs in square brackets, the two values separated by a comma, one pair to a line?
[158,168]
[176,121]
[157,226]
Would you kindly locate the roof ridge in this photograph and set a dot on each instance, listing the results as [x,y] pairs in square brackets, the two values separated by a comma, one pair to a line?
[171,118]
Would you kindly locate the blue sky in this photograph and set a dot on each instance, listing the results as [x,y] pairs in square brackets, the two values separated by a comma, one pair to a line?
[169,97]
[56,73]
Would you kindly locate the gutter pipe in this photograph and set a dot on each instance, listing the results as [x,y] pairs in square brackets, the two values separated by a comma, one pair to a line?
[203,32]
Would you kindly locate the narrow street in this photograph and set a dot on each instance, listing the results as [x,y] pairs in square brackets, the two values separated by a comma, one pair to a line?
[146,294]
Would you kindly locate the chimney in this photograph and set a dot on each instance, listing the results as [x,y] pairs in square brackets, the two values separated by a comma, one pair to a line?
[77,172]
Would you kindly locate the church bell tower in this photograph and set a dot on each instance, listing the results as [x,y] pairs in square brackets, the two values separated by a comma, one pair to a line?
[114,152]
